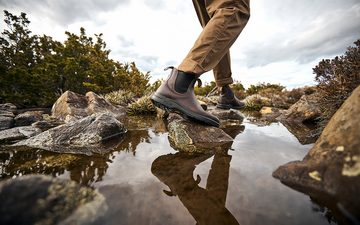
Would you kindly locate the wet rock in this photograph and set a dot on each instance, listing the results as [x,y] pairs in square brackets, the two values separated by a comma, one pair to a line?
[9,107]
[306,109]
[39,199]
[7,115]
[72,106]
[271,113]
[27,118]
[190,136]
[47,122]
[6,122]
[84,136]
[208,100]
[18,133]
[332,166]
[227,114]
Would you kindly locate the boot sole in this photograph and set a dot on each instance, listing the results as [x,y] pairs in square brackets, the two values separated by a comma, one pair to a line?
[170,105]
[222,106]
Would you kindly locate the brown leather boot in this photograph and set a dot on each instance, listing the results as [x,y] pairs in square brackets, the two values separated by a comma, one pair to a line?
[177,94]
[228,100]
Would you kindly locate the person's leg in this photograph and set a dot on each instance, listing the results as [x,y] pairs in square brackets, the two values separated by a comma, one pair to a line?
[227,20]
[222,71]
[215,17]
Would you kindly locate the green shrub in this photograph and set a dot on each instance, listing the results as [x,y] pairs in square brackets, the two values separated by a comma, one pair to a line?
[204,89]
[264,87]
[336,79]
[35,70]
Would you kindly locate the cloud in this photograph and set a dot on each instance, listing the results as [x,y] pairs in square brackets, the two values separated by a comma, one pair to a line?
[154,4]
[305,32]
[281,43]
[63,12]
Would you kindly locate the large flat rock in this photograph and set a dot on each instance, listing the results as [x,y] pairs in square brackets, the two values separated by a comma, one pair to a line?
[84,136]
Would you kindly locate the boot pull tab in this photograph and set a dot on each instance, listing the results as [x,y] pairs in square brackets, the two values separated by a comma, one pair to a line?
[199,82]
[169,67]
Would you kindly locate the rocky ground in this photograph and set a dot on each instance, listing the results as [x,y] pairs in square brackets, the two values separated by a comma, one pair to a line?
[87,125]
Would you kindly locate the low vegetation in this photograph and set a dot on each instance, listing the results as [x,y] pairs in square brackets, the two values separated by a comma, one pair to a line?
[142,106]
[336,79]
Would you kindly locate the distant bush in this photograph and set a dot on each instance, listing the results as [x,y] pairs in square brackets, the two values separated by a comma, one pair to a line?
[336,79]
[265,88]
[295,94]
[238,89]
[204,89]
[256,102]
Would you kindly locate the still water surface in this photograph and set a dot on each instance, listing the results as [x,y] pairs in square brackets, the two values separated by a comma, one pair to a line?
[145,181]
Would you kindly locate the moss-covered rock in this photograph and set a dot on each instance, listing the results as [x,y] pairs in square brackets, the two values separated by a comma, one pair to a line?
[192,137]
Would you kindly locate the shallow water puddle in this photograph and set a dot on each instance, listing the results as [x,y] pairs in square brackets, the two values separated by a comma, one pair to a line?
[145,181]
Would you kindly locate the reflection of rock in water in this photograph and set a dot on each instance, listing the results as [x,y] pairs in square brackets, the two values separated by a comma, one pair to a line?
[83,169]
[207,206]
[21,160]
[305,134]
[133,139]
[233,129]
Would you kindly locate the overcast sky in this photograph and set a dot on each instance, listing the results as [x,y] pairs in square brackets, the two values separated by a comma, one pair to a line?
[282,42]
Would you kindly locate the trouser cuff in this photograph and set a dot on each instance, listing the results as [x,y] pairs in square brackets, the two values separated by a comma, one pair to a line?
[223,82]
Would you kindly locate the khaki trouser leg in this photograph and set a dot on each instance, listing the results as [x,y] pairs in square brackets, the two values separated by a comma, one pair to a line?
[223,21]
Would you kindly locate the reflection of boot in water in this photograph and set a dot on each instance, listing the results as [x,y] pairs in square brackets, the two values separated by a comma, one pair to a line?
[207,206]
